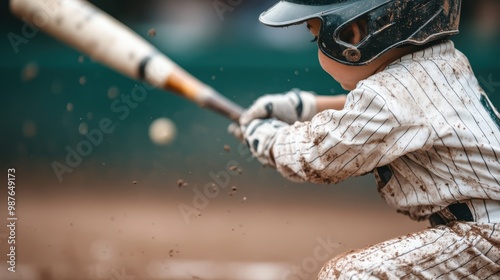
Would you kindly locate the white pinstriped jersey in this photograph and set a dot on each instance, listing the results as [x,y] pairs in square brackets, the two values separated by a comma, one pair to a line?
[425,119]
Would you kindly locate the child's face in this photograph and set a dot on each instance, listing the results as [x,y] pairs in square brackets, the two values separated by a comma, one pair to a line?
[347,76]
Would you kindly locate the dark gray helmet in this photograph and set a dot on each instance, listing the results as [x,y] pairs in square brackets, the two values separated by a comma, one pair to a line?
[389,24]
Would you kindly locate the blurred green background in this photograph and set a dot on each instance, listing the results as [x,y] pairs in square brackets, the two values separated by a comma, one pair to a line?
[52,94]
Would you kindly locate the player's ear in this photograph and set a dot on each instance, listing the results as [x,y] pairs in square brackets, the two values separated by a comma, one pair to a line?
[354,33]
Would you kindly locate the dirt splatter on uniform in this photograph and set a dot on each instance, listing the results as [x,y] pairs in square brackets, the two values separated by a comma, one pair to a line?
[429,132]
[421,124]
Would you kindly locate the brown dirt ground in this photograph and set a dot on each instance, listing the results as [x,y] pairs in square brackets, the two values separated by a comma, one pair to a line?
[127,235]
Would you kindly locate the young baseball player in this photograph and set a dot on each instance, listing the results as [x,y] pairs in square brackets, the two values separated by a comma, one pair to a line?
[415,116]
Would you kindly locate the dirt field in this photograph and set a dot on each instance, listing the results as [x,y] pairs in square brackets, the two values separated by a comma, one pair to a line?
[139,232]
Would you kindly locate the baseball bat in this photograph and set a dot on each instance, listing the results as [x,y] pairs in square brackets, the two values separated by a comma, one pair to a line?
[95,33]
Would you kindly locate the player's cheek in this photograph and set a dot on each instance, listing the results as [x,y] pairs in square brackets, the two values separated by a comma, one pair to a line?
[343,74]
[321,60]
[327,64]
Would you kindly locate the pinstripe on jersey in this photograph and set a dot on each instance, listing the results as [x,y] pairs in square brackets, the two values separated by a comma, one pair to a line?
[423,117]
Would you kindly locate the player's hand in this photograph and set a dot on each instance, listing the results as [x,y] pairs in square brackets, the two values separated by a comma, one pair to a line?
[260,136]
[290,107]
[235,130]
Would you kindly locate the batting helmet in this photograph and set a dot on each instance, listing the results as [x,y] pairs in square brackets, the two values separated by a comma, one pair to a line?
[388,24]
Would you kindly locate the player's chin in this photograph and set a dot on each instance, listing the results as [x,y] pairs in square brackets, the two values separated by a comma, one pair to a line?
[348,87]
[345,85]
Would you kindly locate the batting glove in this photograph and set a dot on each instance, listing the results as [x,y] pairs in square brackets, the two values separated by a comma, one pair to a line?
[260,136]
[235,130]
[290,107]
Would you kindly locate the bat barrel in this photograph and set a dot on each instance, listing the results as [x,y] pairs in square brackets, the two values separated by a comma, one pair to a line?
[88,29]
[91,31]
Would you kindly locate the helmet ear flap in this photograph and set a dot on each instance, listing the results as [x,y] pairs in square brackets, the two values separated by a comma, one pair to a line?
[382,24]
[352,35]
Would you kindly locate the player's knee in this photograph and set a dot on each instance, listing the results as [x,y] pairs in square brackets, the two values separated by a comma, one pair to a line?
[346,266]
[338,267]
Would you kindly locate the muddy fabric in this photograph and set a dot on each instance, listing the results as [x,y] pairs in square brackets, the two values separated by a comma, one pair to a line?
[423,124]
[457,251]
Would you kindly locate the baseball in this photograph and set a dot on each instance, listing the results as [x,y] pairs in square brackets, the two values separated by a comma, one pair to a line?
[162,131]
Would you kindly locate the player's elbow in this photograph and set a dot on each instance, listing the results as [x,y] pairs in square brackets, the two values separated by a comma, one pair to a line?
[307,170]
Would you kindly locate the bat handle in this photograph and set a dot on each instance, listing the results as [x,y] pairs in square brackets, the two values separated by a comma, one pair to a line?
[182,83]
[220,104]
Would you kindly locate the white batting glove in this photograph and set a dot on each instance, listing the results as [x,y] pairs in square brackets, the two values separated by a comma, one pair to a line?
[260,136]
[290,107]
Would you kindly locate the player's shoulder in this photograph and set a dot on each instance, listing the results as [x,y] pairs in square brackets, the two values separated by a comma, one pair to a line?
[441,56]
[435,57]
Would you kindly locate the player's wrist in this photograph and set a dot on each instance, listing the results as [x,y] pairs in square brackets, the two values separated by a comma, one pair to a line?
[327,102]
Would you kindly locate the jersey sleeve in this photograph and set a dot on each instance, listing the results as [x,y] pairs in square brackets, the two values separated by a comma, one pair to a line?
[366,134]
